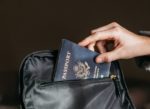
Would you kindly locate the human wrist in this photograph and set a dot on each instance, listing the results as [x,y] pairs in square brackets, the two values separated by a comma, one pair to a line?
[144,46]
[148,46]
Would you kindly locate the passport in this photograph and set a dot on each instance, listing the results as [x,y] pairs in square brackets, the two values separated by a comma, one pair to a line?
[75,62]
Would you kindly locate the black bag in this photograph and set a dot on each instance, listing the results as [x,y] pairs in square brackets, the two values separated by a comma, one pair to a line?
[38,91]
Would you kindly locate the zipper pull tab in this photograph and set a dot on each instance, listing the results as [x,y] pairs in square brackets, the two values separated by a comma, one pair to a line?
[113,77]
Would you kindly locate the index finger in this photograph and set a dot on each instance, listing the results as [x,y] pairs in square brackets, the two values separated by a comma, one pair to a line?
[104,35]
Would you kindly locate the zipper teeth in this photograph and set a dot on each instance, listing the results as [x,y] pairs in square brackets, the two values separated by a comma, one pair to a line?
[107,79]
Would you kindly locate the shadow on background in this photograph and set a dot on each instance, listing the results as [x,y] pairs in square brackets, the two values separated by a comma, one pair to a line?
[31,25]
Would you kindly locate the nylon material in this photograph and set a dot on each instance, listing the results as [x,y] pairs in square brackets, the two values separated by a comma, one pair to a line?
[39,69]
[92,101]
[27,95]
[111,92]
[108,92]
[117,105]
[113,101]
[52,97]
[66,97]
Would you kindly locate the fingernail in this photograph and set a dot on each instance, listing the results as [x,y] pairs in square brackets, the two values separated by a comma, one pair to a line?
[93,31]
[99,60]
[81,43]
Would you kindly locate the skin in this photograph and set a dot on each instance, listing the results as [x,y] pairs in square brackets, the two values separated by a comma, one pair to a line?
[126,44]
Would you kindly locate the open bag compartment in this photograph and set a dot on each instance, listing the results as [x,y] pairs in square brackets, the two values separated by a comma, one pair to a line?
[38,91]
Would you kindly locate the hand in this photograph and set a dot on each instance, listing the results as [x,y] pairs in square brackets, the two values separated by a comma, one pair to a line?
[126,44]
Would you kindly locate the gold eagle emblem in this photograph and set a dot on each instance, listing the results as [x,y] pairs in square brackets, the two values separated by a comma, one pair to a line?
[82,70]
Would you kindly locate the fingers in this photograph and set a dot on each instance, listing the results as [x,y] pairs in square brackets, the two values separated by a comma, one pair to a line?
[108,56]
[97,46]
[102,33]
[91,46]
[101,46]
[106,27]
[99,36]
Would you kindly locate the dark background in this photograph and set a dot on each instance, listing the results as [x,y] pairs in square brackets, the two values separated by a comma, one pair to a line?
[32,25]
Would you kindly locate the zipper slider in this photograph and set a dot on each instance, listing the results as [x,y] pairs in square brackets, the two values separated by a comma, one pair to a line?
[113,77]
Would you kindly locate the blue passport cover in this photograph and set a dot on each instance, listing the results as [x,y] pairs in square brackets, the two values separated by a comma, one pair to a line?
[75,62]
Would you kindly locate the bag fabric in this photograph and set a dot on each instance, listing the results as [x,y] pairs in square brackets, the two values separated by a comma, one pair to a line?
[39,91]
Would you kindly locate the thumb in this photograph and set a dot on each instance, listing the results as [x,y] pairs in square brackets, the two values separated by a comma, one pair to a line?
[107,57]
